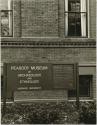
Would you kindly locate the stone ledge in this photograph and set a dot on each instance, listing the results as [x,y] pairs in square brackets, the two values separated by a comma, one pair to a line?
[48,42]
[47,39]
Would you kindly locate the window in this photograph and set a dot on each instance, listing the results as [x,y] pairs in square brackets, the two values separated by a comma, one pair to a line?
[2,80]
[75,18]
[84,86]
[6,18]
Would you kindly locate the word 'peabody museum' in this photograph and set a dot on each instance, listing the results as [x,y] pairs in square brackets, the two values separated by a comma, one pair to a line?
[14,68]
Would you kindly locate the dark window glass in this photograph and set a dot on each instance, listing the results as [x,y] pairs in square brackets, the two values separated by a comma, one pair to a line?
[74,24]
[84,86]
[74,5]
[74,18]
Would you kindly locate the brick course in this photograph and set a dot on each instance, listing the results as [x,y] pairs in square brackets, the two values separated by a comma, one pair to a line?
[48,55]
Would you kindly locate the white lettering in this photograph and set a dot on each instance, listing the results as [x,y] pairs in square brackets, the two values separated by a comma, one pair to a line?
[15,68]
[35,88]
[22,88]
[19,68]
[29,81]
[39,68]
[29,75]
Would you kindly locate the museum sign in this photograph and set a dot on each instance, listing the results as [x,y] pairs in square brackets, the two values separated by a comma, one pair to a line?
[38,76]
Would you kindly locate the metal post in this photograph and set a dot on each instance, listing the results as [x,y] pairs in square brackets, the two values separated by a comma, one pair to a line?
[77,86]
[4,89]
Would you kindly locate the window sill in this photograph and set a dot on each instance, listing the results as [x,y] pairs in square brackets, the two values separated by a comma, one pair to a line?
[81,99]
[76,37]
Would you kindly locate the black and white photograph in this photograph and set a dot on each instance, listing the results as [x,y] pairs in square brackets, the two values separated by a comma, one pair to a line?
[48,61]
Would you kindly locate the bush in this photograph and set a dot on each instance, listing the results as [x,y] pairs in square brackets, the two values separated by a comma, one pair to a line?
[42,113]
[87,113]
[50,113]
[41,117]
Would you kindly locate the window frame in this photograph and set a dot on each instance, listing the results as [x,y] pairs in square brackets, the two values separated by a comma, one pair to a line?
[90,88]
[10,11]
[87,23]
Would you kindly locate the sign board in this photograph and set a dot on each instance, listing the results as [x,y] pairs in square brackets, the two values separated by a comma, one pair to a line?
[39,76]
[28,77]
[64,76]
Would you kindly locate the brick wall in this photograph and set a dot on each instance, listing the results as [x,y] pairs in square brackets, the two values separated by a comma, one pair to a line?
[48,55]
[39,18]
[92,7]
[16,18]
[61,21]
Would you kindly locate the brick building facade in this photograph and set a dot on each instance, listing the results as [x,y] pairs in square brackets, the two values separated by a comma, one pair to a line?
[39,34]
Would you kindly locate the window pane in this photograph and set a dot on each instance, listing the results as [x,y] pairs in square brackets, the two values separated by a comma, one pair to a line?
[71,24]
[74,24]
[78,24]
[71,6]
[74,5]
[6,23]
[74,18]
[84,86]
[78,6]
[6,17]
